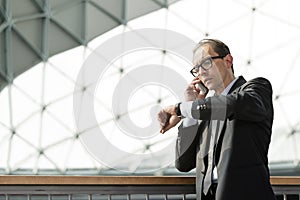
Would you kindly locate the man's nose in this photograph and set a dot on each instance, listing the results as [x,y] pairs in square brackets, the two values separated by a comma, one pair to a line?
[202,72]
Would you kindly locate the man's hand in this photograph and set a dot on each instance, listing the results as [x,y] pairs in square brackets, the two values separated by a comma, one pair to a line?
[193,93]
[167,118]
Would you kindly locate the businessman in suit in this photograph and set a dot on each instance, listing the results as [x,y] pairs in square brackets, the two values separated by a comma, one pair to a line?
[226,136]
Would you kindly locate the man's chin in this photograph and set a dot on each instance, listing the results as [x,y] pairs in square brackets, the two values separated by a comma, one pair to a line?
[210,87]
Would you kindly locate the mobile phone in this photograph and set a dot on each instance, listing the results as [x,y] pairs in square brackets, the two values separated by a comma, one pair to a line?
[202,87]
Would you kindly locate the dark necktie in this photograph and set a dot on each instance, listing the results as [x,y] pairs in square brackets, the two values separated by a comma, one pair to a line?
[214,129]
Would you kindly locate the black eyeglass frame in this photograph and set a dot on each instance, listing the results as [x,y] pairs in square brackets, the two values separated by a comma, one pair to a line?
[200,65]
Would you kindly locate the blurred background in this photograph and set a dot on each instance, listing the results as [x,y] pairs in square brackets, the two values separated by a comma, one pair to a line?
[45,43]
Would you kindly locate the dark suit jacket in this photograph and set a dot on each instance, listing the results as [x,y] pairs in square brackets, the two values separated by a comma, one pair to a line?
[246,115]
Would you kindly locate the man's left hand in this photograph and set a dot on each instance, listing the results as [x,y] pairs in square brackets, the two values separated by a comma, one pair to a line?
[167,118]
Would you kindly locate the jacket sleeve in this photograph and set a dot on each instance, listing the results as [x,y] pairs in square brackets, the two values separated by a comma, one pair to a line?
[186,146]
[252,102]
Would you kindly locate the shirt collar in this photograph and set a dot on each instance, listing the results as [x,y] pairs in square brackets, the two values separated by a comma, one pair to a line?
[227,89]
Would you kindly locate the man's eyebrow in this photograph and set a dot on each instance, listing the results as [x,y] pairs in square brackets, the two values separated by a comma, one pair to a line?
[204,59]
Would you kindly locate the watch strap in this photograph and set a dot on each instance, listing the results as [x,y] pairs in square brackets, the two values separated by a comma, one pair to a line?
[177,109]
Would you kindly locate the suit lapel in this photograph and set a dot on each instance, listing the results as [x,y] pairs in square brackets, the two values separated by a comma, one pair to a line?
[222,124]
[204,137]
[239,82]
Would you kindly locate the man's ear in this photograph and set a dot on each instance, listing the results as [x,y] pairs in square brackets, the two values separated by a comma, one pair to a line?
[229,60]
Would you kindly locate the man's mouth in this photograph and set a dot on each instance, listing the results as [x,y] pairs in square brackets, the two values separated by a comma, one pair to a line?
[207,80]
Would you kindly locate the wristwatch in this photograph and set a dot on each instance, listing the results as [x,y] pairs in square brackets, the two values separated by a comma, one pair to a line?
[177,109]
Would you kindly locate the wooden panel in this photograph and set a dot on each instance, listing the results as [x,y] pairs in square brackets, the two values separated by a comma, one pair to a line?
[120,180]
[285,180]
[95,180]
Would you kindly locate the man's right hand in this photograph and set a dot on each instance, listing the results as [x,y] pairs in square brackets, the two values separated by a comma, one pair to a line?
[193,93]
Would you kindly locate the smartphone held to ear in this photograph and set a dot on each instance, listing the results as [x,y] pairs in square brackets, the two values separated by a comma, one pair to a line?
[202,87]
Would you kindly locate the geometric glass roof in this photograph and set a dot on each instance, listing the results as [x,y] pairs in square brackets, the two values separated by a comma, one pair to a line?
[43,107]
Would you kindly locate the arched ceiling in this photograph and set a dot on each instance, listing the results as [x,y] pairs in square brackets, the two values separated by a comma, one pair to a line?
[31,31]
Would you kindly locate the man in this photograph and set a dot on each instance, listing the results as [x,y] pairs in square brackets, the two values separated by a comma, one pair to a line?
[225,136]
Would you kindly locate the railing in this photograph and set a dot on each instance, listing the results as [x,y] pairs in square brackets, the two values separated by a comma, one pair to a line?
[286,188]
[118,187]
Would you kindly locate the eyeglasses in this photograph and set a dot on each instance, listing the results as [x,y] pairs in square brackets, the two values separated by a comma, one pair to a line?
[206,64]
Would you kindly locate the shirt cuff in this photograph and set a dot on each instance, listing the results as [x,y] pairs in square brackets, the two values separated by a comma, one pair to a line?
[186,111]
[187,122]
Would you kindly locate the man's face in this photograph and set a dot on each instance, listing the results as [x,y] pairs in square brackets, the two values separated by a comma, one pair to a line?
[214,77]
